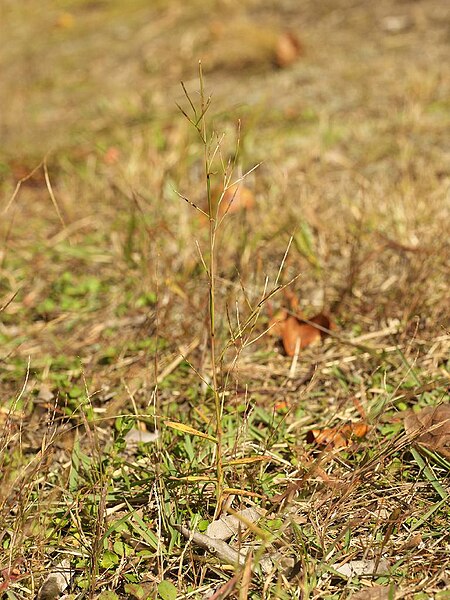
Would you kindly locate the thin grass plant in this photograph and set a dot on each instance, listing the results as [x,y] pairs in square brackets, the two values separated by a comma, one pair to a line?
[210,150]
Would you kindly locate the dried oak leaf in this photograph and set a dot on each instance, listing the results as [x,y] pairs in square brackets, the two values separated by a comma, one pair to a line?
[287,49]
[293,301]
[431,428]
[298,334]
[236,198]
[338,437]
[277,323]
[280,405]
[112,155]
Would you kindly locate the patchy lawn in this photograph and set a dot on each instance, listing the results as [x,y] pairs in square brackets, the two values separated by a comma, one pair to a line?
[113,459]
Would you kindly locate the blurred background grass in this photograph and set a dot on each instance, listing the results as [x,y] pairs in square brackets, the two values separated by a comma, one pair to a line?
[83,72]
[351,129]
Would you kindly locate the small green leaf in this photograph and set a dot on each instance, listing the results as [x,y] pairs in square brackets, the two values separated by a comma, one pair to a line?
[109,559]
[76,392]
[203,525]
[148,299]
[119,548]
[167,591]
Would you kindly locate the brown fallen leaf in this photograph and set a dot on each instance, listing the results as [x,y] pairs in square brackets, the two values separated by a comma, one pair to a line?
[430,427]
[226,589]
[235,199]
[297,333]
[338,437]
[111,156]
[10,574]
[411,543]
[293,301]
[277,323]
[287,49]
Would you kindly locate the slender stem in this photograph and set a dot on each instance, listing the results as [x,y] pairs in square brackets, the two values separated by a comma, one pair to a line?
[212,278]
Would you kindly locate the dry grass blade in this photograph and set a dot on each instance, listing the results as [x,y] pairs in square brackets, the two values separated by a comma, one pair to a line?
[183,428]
[21,181]
[52,196]
[246,577]
[226,589]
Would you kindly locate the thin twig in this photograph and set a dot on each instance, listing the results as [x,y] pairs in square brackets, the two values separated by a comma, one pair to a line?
[223,551]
